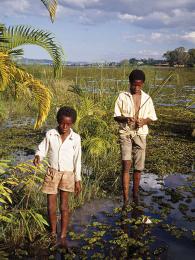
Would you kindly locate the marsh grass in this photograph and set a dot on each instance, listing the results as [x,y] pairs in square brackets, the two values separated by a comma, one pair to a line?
[92,92]
[23,205]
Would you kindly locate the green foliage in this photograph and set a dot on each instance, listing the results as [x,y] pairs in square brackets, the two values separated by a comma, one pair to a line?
[51,6]
[15,77]
[19,210]
[178,56]
[23,35]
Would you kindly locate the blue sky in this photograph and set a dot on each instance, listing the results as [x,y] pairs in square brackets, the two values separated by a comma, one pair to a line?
[108,30]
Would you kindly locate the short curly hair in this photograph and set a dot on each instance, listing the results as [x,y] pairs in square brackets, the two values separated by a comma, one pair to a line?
[66,111]
[136,75]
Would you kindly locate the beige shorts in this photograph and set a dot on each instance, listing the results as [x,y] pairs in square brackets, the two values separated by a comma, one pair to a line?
[134,149]
[55,180]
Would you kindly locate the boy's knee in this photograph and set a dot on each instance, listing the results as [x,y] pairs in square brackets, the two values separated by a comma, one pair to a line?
[64,207]
[52,208]
[126,166]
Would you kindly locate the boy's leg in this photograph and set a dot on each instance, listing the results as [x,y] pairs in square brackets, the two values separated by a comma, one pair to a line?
[139,149]
[126,166]
[51,205]
[64,208]
[136,182]
[126,154]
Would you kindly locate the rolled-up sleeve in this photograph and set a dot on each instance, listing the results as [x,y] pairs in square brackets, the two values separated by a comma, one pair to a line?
[43,148]
[77,160]
[151,111]
[118,107]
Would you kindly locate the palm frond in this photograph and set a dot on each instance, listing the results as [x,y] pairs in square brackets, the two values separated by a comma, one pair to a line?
[42,96]
[26,35]
[16,52]
[51,6]
[25,83]
[38,91]
[96,147]
[2,37]
[5,65]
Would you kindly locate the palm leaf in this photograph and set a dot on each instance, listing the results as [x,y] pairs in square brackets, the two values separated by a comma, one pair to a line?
[27,225]
[2,37]
[42,97]
[5,74]
[96,146]
[51,6]
[37,91]
[25,35]
[26,84]
[16,52]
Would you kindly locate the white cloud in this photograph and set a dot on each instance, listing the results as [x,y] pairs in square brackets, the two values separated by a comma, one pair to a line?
[153,37]
[150,14]
[129,17]
[14,7]
[156,35]
[149,53]
[189,37]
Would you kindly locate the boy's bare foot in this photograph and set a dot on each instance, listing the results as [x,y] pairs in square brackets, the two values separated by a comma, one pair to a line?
[125,204]
[63,242]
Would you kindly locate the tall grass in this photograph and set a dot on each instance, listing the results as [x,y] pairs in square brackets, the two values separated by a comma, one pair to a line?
[92,92]
[23,205]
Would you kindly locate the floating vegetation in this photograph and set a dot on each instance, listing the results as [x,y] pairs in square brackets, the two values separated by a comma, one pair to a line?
[175,195]
[142,231]
[183,208]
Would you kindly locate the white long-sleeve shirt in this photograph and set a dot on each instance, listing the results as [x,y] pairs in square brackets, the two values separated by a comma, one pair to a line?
[62,156]
[124,106]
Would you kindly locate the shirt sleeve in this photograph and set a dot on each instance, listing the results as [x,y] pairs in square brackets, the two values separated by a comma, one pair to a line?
[118,107]
[77,160]
[43,148]
[152,113]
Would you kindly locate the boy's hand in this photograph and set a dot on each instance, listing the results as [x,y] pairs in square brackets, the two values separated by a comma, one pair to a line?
[77,187]
[141,122]
[36,160]
[130,120]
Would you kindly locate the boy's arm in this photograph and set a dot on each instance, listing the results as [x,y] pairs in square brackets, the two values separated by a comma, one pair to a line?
[41,151]
[77,166]
[151,115]
[123,119]
[77,160]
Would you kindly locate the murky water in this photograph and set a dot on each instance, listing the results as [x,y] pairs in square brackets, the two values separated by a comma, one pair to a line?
[160,199]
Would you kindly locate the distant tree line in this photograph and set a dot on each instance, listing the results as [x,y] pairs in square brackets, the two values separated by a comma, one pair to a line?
[134,61]
[178,56]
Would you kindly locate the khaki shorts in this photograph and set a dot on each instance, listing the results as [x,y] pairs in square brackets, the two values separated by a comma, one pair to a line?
[134,149]
[55,180]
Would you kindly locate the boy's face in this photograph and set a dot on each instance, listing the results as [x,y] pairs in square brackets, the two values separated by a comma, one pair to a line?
[136,86]
[65,124]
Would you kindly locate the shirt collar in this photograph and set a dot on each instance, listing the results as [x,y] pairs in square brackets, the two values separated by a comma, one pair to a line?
[70,136]
[143,94]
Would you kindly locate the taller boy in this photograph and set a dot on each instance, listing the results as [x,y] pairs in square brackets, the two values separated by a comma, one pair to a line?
[134,111]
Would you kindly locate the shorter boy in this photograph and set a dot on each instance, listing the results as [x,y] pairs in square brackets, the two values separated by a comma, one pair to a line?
[63,147]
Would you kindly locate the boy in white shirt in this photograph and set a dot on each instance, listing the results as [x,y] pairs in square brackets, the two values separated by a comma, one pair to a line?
[63,147]
[134,111]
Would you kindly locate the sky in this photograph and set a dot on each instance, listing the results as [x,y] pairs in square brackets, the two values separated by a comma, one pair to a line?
[108,30]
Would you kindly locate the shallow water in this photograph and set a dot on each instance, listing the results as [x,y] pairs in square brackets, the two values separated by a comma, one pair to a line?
[24,121]
[152,189]
[97,228]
